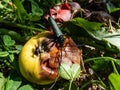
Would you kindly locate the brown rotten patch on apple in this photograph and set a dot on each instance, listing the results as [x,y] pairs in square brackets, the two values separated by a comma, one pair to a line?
[51,55]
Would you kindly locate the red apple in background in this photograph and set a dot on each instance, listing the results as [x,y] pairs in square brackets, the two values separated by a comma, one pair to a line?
[63,12]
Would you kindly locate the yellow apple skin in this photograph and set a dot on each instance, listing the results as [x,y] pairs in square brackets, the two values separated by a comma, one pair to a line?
[29,63]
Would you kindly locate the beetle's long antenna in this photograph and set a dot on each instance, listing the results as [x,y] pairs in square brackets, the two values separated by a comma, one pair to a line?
[58,69]
[58,33]
[51,87]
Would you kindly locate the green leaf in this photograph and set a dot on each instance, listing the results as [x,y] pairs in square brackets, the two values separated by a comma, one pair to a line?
[14,35]
[115,79]
[7,1]
[9,84]
[13,82]
[14,51]
[82,28]
[100,37]
[1,6]
[21,12]
[2,81]
[4,54]
[113,38]
[111,8]
[65,71]
[11,56]
[69,73]
[100,63]
[75,70]
[17,82]
[118,62]
[18,47]
[8,41]
[36,11]
[89,26]
[26,87]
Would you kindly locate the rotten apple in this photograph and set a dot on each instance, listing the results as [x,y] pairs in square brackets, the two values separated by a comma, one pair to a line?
[41,56]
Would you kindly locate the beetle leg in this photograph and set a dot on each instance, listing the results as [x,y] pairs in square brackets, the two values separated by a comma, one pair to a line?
[47,44]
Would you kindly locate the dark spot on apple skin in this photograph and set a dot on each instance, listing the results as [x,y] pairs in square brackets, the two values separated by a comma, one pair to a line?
[30,74]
